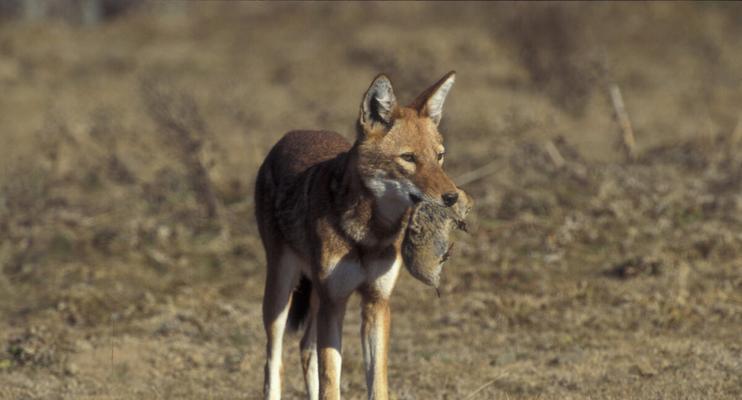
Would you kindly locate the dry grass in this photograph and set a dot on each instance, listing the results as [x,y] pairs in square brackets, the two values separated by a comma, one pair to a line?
[130,262]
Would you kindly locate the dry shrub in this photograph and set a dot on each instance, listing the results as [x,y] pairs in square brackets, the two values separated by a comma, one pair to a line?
[24,190]
[36,346]
[516,202]
[69,156]
[183,130]
[633,267]
[42,214]
[24,196]
[551,41]
[73,11]
[106,133]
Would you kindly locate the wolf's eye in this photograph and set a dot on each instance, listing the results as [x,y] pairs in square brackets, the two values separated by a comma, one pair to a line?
[409,157]
[441,155]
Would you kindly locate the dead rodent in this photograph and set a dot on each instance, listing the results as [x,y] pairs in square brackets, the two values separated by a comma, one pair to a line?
[427,243]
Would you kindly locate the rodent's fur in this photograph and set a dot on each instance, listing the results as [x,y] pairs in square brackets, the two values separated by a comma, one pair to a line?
[427,244]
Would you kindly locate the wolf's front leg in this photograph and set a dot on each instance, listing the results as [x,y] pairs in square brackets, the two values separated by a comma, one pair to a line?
[329,345]
[375,336]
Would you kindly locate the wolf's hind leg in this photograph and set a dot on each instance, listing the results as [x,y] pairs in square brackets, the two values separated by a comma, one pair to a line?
[282,275]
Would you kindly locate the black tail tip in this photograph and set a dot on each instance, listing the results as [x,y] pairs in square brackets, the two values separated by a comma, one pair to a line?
[299,308]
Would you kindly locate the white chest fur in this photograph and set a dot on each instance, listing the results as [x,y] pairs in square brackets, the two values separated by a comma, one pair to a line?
[383,273]
[343,277]
[346,275]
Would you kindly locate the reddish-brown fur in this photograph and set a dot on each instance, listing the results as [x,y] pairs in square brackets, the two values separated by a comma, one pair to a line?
[336,213]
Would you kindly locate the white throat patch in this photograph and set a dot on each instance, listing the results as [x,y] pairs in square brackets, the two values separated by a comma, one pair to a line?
[392,196]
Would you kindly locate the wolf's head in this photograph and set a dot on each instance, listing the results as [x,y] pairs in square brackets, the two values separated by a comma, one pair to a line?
[400,151]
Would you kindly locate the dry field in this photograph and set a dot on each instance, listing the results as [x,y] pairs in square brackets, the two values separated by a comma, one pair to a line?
[130,266]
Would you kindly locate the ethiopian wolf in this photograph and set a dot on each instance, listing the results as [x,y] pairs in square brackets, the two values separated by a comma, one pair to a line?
[332,217]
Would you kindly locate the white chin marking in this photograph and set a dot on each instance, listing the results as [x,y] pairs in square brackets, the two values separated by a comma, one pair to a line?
[392,196]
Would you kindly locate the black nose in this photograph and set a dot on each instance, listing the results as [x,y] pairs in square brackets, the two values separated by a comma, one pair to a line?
[450,198]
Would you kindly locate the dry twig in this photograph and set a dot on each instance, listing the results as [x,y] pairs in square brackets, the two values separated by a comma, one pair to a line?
[627,137]
[736,133]
[476,174]
[554,154]
[479,389]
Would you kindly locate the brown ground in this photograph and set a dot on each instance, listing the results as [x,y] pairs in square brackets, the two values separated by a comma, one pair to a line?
[598,279]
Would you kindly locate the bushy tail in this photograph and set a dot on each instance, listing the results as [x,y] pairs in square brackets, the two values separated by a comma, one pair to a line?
[299,308]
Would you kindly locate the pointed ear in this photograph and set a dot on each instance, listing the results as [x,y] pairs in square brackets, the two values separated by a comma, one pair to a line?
[379,104]
[430,102]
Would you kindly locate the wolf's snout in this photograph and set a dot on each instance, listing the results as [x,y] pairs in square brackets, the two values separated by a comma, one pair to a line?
[450,198]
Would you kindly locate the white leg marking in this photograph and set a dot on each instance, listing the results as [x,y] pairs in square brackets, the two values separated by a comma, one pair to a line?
[337,360]
[313,375]
[374,336]
[329,341]
[274,357]
[285,272]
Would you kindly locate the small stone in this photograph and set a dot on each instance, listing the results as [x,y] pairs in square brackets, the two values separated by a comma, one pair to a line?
[71,369]
[505,358]
[643,369]
[233,362]
[197,359]
[83,345]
